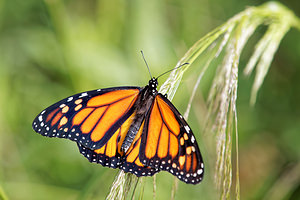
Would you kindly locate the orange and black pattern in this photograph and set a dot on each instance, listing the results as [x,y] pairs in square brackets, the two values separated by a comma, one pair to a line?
[135,129]
[169,144]
[89,118]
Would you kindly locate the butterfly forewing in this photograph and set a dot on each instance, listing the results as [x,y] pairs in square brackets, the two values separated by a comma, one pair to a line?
[89,118]
[169,144]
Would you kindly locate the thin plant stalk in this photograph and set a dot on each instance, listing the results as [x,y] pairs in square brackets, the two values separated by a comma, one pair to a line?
[2,194]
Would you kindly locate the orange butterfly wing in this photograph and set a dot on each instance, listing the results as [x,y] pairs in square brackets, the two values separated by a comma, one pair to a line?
[90,118]
[167,143]
[110,154]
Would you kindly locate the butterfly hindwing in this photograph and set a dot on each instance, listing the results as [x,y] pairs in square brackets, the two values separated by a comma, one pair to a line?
[169,144]
[132,162]
[110,154]
[89,118]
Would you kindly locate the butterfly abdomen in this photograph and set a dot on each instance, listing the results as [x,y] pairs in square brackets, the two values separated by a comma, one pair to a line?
[142,105]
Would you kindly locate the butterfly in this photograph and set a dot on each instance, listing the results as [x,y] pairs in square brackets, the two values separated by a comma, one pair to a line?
[135,129]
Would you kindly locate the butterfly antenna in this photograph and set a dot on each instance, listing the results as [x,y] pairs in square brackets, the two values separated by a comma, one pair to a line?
[146,64]
[172,69]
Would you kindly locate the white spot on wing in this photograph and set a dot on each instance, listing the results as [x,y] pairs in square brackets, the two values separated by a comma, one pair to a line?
[199,171]
[40,118]
[193,139]
[83,94]
[70,99]
[187,128]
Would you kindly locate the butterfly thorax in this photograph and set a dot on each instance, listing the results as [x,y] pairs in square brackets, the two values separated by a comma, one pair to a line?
[142,105]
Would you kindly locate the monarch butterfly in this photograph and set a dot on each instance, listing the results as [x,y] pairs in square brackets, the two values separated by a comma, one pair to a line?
[135,129]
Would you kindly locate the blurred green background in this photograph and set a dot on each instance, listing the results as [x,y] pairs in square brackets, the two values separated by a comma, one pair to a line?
[52,49]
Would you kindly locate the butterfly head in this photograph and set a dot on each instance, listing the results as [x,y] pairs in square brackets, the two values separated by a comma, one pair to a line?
[153,85]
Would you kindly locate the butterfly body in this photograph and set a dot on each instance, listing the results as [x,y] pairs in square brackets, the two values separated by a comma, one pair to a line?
[141,106]
[135,129]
